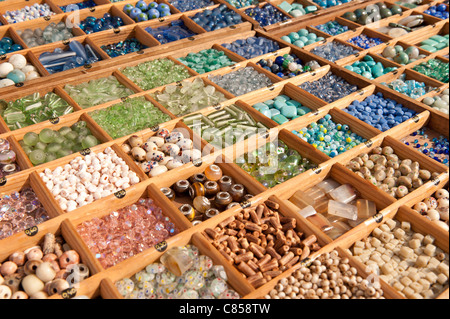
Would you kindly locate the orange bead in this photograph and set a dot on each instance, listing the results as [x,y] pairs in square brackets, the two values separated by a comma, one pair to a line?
[213,173]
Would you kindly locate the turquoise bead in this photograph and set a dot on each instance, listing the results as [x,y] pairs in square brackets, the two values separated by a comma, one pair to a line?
[280,119]
[289,111]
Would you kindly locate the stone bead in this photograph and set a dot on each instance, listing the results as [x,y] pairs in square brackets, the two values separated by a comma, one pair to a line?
[287,66]
[330,3]
[288,107]
[296,9]
[435,43]
[435,69]
[302,38]
[369,68]
[439,102]
[380,112]
[332,28]
[16,70]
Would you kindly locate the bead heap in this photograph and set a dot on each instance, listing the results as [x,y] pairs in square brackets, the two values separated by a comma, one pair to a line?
[404,26]
[17,70]
[372,13]
[435,208]
[85,180]
[369,68]
[282,109]
[296,9]
[126,232]
[320,282]
[19,211]
[162,152]
[226,127]
[274,163]
[129,116]
[384,169]
[49,145]
[438,11]
[51,33]
[434,68]
[288,65]
[174,31]
[329,88]
[252,47]
[332,28]
[333,207]
[330,3]
[207,60]
[439,102]
[123,47]
[8,158]
[78,6]
[411,262]
[274,254]
[92,24]
[330,137]
[302,37]
[380,112]
[96,92]
[34,109]
[435,43]
[7,45]
[205,195]
[365,42]
[430,143]
[189,5]
[42,271]
[242,81]
[188,97]
[242,3]
[412,88]
[217,18]
[28,13]
[156,73]
[182,273]
[334,51]
[266,15]
[402,56]
[144,12]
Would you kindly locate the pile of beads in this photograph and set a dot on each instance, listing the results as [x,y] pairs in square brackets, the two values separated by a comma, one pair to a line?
[76,55]
[329,277]
[8,164]
[296,9]
[412,88]
[330,137]
[242,81]
[402,56]
[225,127]
[96,92]
[412,4]
[438,102]
[123,47]
[189,5]
[188,97]
[175,31]
[365,42]
[217,18]
[438,11]
[409,262]
[380,112]
[330,3]
[92,24]
[162,152]
[51,33]
[78,6]
[126,232]
[252,47]
[85,180]
[7,45]
[42,271]
[129,116]
[257,253]
[372,13]
[183,273]
[49,145]
[144,12]
[28,13]
[334,51]
[34,109]
[207,60]
[242,3]
[369,68]
[406,25]
[435,208]
[156,73]
[434,68]
[332,28]
[329,88]
[274,163]
[266,15]
[302,38]
[333,207]
[19,211]
[429,143]
[435,43]
[207,194]
[287,66]
[17,70]
[282,109]
[384,169]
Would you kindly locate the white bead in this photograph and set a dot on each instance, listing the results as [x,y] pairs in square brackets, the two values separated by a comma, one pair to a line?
[106,193]
[71,206]
[49,184]
[97,195]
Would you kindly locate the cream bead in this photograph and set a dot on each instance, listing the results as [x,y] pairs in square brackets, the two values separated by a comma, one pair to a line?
[45,272]
[32,284]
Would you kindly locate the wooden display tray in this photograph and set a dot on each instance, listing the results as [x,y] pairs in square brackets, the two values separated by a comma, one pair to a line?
[101,282]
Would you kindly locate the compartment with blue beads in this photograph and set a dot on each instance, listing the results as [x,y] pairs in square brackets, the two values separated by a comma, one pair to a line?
[190,5]
[252,45]
[67,6]
[217,17]
[265,14]
[365,39]
[10,42]
[297,8]
[140,11]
